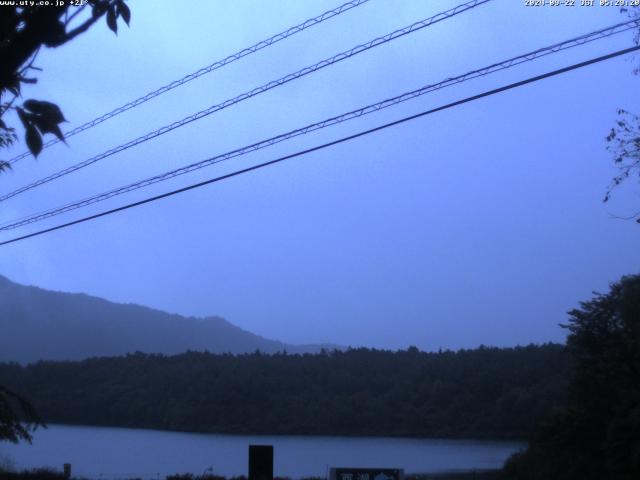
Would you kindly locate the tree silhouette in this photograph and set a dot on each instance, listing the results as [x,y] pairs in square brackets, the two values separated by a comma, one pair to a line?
[597,436]
[17,417]
[24,31]
[624,138]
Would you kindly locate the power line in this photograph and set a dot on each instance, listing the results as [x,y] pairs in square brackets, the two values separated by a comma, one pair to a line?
[256,91]
[203,71]
[577,41]
[329,144]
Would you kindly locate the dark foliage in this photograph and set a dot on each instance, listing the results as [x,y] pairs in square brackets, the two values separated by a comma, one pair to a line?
[17,417]
[190,476]
[624,137]
[44,474]
[211,476]
[37,474]
[24,30]
[624,144]
[481,393]
[598,435]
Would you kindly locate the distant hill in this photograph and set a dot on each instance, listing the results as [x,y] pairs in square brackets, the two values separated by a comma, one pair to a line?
[37,324]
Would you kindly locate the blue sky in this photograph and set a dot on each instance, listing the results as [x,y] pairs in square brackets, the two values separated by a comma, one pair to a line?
[480,224]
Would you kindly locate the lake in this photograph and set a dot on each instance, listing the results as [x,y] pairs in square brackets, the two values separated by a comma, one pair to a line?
[96,452]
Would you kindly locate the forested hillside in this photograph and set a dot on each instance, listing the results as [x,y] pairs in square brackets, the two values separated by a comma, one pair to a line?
[73,326]
[481,393]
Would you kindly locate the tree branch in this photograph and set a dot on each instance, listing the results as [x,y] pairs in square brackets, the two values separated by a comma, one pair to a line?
[75,14]
[78,30]
[630,217]
[87,24]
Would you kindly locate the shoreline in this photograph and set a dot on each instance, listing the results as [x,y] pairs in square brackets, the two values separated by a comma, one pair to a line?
[496,440]
[50,474]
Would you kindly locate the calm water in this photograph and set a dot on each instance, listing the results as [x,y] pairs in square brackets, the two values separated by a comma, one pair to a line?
[118,452]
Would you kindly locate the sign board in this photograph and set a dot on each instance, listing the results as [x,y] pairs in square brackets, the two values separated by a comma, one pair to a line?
[367,474]
[260,462]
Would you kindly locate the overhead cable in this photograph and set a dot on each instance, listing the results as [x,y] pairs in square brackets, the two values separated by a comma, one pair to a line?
[203,71]
[527,57]
[252,93]
[328,144]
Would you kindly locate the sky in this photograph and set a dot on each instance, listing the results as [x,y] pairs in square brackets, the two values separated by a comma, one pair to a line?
[481,224]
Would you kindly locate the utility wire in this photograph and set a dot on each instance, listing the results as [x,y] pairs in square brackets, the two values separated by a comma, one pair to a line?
[203,71]
[329,144]
[527,57]
[256,91]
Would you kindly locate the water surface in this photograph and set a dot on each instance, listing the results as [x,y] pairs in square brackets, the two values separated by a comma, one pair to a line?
[121,452]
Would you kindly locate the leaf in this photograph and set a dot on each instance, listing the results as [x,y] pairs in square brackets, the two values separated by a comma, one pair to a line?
[45,116]
[34,140]
[124,12]
[24,117]
[3,125]
[13,85]
[98,7]
[111,19]
[47,109]
[4,165]
[52,128]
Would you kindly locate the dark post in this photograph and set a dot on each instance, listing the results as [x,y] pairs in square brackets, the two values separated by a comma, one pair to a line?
[67,470]
[260,462]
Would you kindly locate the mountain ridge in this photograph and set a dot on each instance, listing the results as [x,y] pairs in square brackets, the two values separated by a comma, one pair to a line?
[75,326]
